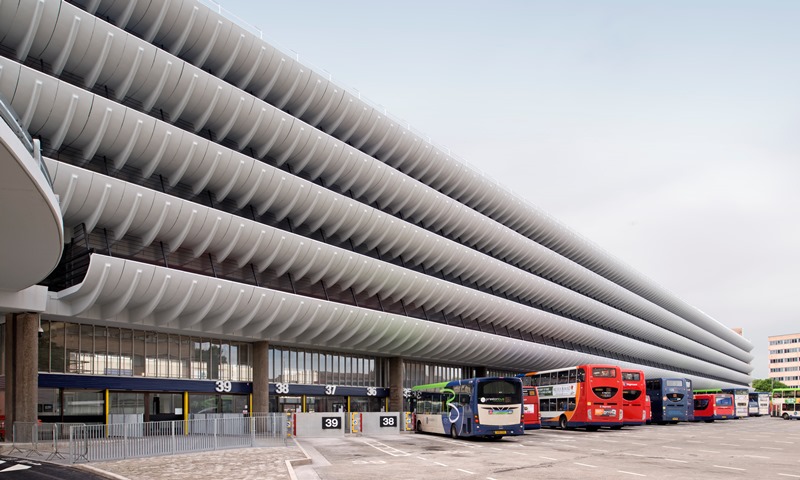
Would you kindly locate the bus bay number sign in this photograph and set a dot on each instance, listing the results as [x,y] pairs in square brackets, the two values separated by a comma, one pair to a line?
[331,422]
[388,421]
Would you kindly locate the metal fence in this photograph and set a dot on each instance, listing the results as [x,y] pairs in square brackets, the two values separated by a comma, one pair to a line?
[86,443]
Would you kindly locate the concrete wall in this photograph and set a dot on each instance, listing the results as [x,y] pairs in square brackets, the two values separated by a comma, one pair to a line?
[381,423]
[320,424]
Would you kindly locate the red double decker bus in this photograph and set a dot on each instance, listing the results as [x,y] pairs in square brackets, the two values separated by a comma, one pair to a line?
[633,397]
[531,416]
[583,396]
[713,406]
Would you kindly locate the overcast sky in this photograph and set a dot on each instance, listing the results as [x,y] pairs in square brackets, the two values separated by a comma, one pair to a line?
[666,132]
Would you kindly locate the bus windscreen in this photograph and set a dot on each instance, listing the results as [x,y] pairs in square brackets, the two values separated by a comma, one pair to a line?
[599,372]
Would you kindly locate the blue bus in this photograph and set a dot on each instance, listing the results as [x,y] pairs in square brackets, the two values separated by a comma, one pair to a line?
[474,407]
[668,400]
[689,401]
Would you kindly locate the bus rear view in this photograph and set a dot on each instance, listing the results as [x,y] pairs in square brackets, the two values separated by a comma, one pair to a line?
[668,397]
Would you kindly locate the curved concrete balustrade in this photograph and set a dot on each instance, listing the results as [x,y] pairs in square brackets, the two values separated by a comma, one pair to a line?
[33,235]
[482,193]
[297,144]
[202,164]
[127,209]
[279,85]
[144,294]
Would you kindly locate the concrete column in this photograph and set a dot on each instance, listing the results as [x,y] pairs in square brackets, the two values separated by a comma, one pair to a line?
[260,377]
[395,384]
[22,369]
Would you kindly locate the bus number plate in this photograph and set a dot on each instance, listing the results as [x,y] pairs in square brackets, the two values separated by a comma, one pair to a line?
[500,432]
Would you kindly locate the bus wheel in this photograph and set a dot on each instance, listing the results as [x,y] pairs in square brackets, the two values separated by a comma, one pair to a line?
[419,427]
[453,432]
[786,416]
[562,422]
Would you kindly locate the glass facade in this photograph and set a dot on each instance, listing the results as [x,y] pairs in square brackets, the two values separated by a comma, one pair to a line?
[99,350]
[309,367]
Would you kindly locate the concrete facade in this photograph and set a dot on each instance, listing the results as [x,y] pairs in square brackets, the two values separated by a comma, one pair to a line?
[784,359]
[214,187]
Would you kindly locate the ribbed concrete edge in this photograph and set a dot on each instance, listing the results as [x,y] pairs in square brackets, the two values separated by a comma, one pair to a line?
[297,462]
[100,472]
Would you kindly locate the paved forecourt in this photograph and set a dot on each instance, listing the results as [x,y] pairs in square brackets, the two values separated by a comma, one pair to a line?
[756,447]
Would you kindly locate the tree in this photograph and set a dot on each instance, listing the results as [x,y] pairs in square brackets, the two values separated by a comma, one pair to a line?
[767,384]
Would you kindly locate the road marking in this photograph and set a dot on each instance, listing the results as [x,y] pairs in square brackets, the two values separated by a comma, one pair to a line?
[675,460]
[789,475]
[441,464]
[707,451]
[585,465]
[548,458]
[610,441]
[598,450]
[382,447]
[633,454]
[771,448]
[422,458]
[756,456]
[780,441]
[632,473]
[15,468]
[674,448]
[465,471]
[520,453]
[730,468]
[730,444]
[638,443]
[693,441]
[498,449]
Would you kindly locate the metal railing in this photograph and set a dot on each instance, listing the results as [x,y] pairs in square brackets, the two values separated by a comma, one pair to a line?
[76,442]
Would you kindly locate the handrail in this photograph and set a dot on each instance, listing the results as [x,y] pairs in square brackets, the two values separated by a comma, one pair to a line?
[34,146]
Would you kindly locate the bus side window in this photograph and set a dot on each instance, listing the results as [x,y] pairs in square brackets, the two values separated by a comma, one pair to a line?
[571,405]
[573,376]
[581,375]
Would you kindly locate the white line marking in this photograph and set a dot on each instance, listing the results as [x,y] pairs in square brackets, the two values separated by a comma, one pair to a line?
[707,451]
[519,453]
[465,471]
[610,441]
[632,473]
[730,468]
[548,458]
[422,458]
[771,448]
[633,454]
[382,447]
[756,456]
[675,460]
[693,441]
[730,444]
[789,475]
[598,450]
[585,465]
[498,449]
[674,448]
[780,441]
[15,468]
[638,443]
[441,464]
